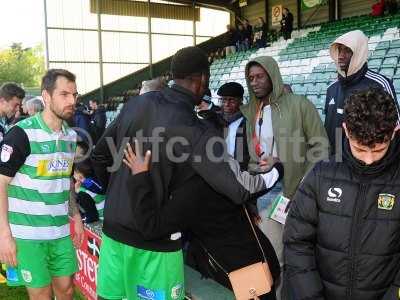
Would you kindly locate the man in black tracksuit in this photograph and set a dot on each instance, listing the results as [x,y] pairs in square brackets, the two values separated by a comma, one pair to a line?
[178,141]
[350,54]
[342,235]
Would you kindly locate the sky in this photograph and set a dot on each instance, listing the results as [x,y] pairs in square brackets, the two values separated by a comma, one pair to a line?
[21,21]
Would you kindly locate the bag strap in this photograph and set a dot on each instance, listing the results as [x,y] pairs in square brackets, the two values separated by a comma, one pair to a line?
[255,235]
[212,258]
[254,232]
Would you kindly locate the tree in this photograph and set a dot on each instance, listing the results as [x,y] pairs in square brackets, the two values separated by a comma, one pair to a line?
[23,66]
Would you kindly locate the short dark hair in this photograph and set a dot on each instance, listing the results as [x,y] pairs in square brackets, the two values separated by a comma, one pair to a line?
[370,116]
[84,146]
[50,78]
[94,100]
[10,90]
[84,167]
[189,61]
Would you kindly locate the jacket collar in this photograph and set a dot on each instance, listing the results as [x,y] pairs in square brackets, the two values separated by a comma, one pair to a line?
[188,96]
[377,167]
[355,78]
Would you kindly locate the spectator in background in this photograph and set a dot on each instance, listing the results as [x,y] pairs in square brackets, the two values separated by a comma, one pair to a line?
[231,39]
[211,57]
[11,96]
[392,6]
[241,44]
[378,8]
[260,33]
[231,94]
[248,32]
[287,24]
[34,106]
[81,120]
[98,119]
[350,54]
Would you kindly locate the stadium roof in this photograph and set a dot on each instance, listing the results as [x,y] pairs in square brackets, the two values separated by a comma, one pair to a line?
[228,4]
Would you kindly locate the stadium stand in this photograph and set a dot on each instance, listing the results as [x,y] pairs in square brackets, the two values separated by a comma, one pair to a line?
[304,60]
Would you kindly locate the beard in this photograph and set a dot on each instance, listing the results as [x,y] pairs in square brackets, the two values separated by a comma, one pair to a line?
[64,115]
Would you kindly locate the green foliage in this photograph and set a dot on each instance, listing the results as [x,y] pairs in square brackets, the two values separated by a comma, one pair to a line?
[23,66]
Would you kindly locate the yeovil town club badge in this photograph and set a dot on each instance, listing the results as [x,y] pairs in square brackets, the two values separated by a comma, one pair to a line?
[386,201]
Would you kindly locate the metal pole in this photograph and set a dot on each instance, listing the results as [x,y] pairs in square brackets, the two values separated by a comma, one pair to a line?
[100,45]
[194,23]
[298,14]
[46,33]
[150,42]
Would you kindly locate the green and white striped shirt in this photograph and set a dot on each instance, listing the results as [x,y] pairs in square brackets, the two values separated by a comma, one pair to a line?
[39,192]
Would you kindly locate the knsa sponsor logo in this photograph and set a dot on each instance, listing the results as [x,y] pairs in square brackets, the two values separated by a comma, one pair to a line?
[58,165]
[334,195]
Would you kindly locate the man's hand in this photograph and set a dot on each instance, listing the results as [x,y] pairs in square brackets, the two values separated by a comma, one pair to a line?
[136,162]
[267,163]
[8,250]
[79,234]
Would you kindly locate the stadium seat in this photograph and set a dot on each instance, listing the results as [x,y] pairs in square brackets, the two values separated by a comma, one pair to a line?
[388,72]
[390,61]
[375,63]
[379,53]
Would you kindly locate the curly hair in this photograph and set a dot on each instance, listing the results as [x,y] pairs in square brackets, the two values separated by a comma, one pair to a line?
[370,116]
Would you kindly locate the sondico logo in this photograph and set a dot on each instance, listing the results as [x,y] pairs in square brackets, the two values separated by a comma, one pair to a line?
[334,195]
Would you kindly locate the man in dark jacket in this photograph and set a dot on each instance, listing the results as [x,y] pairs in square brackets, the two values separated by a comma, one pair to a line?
[350,54]
[131,263]
[81,120]
[342,233]
[231,94]
[98,119]
[287,23]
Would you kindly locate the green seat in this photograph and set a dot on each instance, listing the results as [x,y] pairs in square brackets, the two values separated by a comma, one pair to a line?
[298,79]
[393,52]
[379,53]
[390,61]
[312,77]
[331,68]
[300,90]
[395,44]
[323,77]
[388,72]
[320,68]
[383,45]
[396,84]
[397,74]
[375,62]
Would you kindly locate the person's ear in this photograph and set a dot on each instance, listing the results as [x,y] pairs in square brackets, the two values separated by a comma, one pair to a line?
[46,97]
[345,129]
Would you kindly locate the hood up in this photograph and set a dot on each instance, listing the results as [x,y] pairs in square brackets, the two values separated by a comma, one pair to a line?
[271,67]
[357,41]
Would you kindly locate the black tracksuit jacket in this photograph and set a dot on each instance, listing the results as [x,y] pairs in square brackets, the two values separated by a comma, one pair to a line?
[170,114]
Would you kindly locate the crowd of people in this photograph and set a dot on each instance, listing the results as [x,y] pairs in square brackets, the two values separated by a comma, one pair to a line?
[176,173]
[244,36]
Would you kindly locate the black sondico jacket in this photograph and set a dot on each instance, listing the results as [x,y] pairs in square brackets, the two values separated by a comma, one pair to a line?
[344,87]
[342,235]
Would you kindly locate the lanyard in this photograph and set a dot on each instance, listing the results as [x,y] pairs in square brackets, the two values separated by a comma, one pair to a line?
[257,140]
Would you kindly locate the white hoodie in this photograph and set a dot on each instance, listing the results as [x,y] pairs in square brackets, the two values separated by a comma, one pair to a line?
[357,41]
